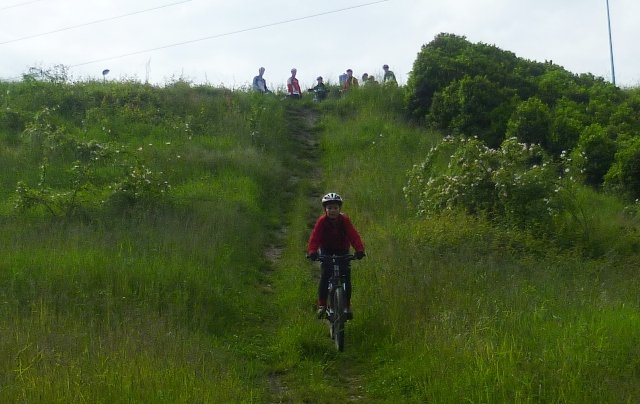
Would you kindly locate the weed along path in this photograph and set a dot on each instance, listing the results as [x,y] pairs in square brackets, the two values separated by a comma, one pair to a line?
[302,363]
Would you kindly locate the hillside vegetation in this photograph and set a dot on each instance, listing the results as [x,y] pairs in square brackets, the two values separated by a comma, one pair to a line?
[153,238]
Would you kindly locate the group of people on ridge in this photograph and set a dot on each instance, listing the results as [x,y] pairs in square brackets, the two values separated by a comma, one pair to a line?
[347,81]
[333,232]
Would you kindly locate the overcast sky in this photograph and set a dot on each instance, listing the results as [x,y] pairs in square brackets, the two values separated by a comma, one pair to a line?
[572,33]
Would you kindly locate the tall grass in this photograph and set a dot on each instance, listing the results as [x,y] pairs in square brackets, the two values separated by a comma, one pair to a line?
[172,300]
[451,309]
[142,302]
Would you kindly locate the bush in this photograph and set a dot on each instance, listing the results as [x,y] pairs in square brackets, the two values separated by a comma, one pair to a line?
[434,69]
[594,154]
[567,122]
[516,184]
[531,123]
[472,106]
[624,175]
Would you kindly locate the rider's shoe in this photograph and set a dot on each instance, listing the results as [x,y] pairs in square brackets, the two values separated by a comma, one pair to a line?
[321,312]
[348,314]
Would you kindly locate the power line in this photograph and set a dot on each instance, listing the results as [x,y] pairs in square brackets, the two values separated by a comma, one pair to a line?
[229,33]
[19,4]
[92,22]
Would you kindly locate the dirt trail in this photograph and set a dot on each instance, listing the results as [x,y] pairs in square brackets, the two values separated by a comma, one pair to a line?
[301,125]
[303,128]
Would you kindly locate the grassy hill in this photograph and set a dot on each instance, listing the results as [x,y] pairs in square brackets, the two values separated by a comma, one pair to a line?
[153,251]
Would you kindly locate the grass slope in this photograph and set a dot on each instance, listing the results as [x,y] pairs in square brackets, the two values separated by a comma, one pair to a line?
[205,295]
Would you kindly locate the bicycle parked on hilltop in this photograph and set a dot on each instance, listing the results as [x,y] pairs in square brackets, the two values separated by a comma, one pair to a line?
[336,310]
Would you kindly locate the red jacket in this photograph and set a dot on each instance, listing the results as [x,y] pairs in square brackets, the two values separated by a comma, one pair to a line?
[334,236]
[293,86]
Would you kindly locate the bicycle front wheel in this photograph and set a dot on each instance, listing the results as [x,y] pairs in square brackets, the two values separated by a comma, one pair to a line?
[338,322]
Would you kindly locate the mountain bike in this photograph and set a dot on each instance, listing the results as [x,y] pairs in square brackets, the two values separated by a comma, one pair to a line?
[319,94]
[336,300]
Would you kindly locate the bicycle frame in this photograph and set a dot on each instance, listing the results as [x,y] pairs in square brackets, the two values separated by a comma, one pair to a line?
[337,297]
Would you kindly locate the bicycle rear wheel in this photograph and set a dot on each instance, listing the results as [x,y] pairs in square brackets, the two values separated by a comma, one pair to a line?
[338,322]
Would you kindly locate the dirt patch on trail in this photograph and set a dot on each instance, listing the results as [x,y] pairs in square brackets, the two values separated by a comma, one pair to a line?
[302,129]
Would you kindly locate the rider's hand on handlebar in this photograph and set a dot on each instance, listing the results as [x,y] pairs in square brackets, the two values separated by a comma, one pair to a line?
[359,255]
[313,256]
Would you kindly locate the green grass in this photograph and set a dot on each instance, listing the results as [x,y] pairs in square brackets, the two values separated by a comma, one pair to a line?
[145,303]
[452,309]
[173,300]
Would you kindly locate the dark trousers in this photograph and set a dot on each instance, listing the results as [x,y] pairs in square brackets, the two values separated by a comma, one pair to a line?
[326,270]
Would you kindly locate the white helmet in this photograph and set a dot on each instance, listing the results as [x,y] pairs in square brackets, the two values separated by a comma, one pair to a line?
[331,197]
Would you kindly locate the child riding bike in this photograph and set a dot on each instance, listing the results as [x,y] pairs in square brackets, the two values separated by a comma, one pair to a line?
[333,234]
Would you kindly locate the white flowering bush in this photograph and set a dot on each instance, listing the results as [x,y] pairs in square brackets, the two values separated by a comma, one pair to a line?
[97,170]
[515,184]
[140,184]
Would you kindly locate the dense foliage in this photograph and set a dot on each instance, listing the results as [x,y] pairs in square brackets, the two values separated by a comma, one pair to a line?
[134,217]
[156,254]
[516,184]
[462,88]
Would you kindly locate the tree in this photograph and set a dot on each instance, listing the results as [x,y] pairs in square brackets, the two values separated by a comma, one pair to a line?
[433,70]
[531,123]
[473,106]
[624,175]
[594,154]
[567,122]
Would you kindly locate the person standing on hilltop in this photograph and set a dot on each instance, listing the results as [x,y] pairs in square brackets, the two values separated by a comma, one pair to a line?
[388,77]
[319,90]
[293,86]
[342,78]
[259,83]
[333,233]
[350,82]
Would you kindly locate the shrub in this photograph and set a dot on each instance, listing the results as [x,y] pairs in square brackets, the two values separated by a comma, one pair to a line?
[516,184]
[594,154]
[531,123]
[140,185]
[624,175]
[472,106]
[11,121]
[434,68]
[567,122]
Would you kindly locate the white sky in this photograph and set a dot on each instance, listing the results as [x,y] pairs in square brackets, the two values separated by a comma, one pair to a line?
[572,33]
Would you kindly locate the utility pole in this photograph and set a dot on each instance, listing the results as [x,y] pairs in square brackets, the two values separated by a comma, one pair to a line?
[613,70]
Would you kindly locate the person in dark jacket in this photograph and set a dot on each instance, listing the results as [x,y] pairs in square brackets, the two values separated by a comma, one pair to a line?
[319,90]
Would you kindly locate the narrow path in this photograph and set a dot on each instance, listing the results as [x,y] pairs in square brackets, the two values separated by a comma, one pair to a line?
[303,128]
[301,124]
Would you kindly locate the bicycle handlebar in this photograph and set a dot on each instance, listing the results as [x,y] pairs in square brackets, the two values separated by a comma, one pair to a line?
[329,258]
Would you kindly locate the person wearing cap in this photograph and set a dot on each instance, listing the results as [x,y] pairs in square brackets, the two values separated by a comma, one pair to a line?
[259,83]
[388,77]
[293,86]
[319,90]
[351,81]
